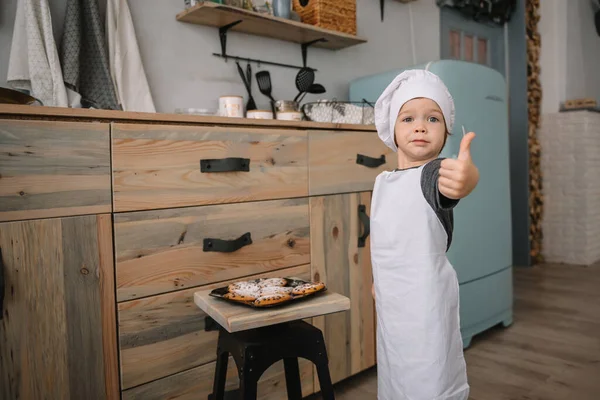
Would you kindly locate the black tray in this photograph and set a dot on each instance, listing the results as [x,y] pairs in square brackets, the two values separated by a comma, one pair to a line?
[291,282]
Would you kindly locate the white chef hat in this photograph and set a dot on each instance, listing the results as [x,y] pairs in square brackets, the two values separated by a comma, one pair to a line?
[408,85]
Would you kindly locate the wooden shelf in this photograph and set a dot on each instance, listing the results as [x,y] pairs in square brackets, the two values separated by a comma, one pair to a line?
[218,15]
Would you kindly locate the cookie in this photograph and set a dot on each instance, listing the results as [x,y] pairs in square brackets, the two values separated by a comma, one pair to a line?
[275,290]
[243,285]
[271,299]
[308,288]
[242,295]
[272,282]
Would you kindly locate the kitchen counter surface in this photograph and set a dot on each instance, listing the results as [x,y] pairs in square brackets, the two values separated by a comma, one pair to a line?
[31,112]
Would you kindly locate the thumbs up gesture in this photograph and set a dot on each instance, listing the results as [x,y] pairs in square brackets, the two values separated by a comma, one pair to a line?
[458,177]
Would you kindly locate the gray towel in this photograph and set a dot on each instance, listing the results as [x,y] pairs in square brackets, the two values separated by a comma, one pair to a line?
[84,57]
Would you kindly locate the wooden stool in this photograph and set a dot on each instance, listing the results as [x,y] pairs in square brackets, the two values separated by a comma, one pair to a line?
[257,339]
[255,350]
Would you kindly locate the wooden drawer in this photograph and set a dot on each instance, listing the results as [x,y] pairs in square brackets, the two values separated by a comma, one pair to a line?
[164,250]
[158,166]
[164,335]
[342,162]
[197,383]
[53,169]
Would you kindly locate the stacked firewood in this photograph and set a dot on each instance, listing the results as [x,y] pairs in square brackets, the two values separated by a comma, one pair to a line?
[534,92]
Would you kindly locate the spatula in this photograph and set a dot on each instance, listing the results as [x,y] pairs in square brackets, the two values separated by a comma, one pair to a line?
[263,78]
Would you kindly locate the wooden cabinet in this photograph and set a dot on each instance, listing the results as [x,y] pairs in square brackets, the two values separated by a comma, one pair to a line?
[343,162]
[284,198]
[53,169]
[340,256]
[57,333]
[162,166]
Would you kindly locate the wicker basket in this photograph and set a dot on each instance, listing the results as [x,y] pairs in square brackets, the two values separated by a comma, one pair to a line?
[336,15]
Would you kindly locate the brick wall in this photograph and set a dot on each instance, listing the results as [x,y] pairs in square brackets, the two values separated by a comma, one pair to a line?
[570,161]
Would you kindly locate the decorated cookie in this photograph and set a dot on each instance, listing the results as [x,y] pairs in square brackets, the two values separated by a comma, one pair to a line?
[308,288]
[242,295]
[243,285]
[275,290]
[271,299]
[272,282]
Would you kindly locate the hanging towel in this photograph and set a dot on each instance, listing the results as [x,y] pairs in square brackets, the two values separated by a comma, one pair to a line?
[84,57]
[125,61]
[34,64]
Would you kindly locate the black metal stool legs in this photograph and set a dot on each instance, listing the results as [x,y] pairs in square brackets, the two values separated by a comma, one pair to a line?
[292,378]
[220,375]
[248,386]
[320,360]
[254,351]
[325,381]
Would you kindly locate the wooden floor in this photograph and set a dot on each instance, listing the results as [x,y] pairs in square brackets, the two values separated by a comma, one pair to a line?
[551,352]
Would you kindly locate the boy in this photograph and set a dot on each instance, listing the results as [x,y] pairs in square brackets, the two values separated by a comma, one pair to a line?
[419,346]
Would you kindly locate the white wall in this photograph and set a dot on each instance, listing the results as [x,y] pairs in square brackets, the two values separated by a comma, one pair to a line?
[570,54]
[183,73]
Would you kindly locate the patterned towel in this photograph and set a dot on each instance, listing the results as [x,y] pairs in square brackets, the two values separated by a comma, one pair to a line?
[84,58]
[34,66]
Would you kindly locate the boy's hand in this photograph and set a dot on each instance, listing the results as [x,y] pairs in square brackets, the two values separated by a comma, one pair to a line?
[459,177]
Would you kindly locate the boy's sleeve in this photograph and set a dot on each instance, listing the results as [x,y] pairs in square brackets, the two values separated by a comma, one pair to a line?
[429,186]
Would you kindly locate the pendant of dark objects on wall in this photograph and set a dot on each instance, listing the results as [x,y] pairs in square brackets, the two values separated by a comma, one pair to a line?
[381,5]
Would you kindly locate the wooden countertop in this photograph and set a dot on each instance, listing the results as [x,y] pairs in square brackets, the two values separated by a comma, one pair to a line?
[63,113]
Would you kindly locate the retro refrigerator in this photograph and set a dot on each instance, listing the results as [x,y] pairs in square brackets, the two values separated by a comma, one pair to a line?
[481,250]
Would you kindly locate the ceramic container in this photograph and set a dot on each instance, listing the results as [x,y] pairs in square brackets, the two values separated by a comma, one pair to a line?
[259,114]
[231,106]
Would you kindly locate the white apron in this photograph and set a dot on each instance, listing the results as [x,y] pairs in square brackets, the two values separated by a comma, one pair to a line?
[419,346]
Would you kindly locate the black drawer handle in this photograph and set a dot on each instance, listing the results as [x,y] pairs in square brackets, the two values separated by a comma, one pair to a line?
[225,165]
[227,246]
[1,285]
[370,162]
[366,222]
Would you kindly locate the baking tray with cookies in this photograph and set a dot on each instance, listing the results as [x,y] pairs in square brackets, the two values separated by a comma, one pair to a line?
[268,292]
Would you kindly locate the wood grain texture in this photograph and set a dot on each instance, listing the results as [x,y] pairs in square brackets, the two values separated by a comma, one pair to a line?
[213,14]
[34,337]
[235,317]
[345,268]
[86,114]
[162,251]
[197,383]
[164,335]
[83,311]
[53,169]
[551,352]
[332,161]
[52,327]
[108,306]
[158,166]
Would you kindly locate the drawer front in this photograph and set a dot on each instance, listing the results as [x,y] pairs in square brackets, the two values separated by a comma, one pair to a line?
[342,162]
[53,169]
[197,383]
[166,250]
[157,166]
[164,335]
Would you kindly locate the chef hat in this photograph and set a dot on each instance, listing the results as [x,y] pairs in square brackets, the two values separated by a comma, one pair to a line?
[408,85]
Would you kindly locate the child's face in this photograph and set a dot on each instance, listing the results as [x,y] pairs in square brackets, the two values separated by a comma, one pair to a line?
[420,130]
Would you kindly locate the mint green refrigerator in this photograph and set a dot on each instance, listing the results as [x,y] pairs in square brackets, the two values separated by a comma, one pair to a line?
[481,250]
